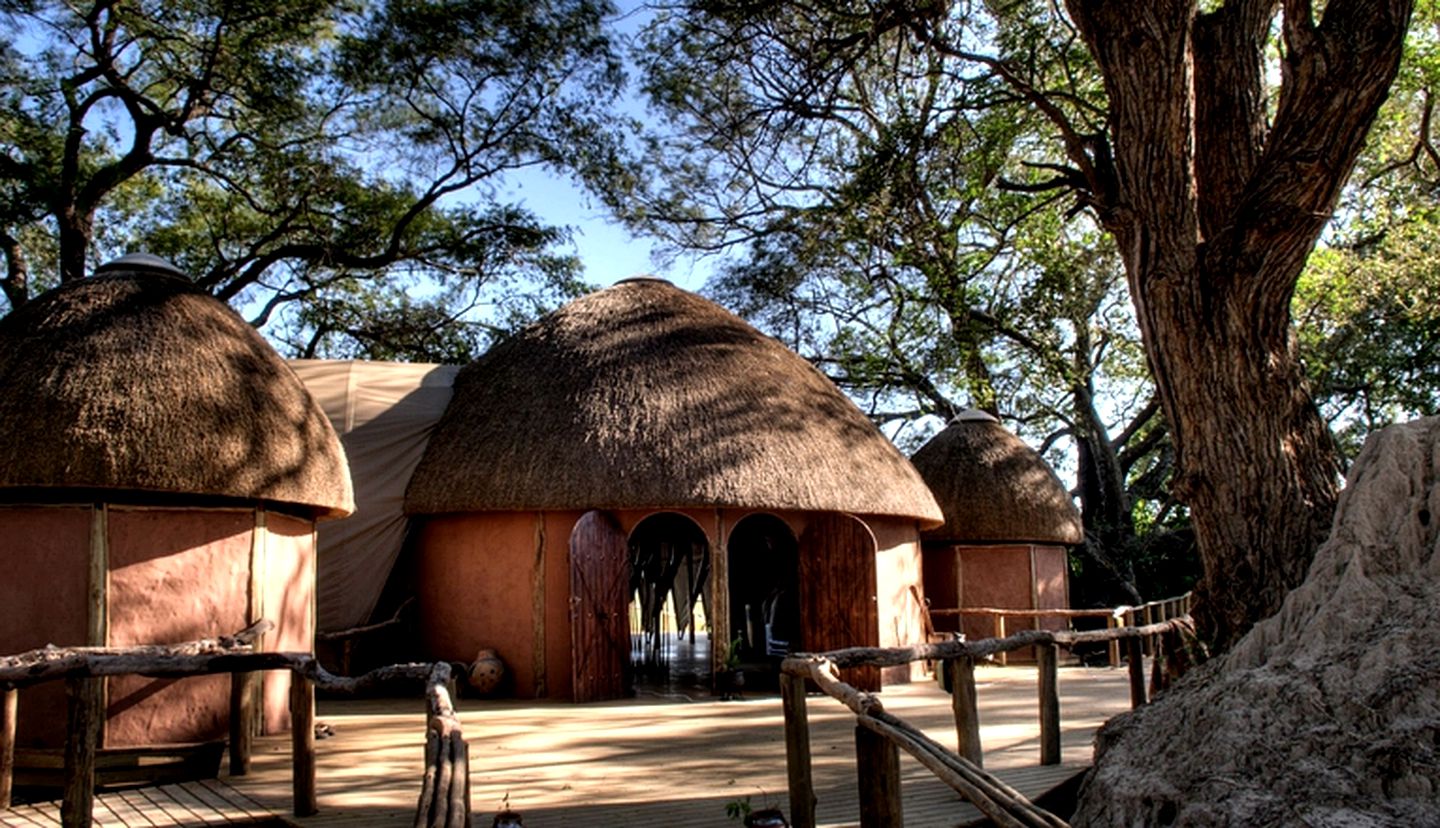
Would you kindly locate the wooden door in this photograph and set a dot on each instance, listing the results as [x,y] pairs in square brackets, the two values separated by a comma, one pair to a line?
[599,608]
[837,591]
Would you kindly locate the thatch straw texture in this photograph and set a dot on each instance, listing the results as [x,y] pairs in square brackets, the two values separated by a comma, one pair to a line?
[648,396]
[138,382]
[993,488]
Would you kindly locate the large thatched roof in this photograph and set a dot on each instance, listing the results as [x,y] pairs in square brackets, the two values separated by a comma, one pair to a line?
[136,381]
[648,396]
[993,488]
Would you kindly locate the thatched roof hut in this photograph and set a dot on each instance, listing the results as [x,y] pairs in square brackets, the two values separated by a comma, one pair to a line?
[1008,520]
[646,395]
[136,381]
[643,440]
[148,433]
[993,488]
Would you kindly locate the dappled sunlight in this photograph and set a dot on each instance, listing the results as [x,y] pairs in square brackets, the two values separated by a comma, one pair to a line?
[643,762]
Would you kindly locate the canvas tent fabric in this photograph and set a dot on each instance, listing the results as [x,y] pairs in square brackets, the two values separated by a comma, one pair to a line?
[645,395]
[135,381]
[993,488]
[383,413]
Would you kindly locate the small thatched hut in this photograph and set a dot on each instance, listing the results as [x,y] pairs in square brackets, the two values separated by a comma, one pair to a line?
[161,473]
[639,443]
[1008,521]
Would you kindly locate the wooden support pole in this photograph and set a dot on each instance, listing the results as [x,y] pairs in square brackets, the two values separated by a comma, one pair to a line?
[1135,653]
[302,742]
[1002,657]
[9,701]
[1113,648]
[242,721]
[85,710]
[1047,659]
[966,705]
[877,761]
[797,751]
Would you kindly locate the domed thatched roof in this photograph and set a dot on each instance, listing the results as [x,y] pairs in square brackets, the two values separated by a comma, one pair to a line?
[994,488]
[136,381]
[648,396]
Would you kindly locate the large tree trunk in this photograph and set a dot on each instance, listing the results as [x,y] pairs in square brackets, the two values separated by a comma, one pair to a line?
[1215,215]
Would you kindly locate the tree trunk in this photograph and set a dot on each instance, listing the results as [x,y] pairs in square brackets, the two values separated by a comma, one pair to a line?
[16,281]
[77,229]
[1214,215]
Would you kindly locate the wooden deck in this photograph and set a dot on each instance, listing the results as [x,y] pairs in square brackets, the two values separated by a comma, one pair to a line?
[664,761]
[206,802]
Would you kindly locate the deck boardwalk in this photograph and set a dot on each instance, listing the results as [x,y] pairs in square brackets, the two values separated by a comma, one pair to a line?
[206,802]
[657,761]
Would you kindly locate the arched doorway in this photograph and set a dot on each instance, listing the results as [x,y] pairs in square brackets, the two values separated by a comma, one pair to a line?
[669,578]
[764,575]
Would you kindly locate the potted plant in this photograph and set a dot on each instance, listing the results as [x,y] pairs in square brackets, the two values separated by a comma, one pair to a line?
[731,679]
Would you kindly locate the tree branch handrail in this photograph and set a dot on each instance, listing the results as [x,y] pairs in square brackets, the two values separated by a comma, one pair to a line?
[446,779]
[1001,804]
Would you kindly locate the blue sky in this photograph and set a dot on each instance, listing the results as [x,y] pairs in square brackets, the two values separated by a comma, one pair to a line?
[607,249]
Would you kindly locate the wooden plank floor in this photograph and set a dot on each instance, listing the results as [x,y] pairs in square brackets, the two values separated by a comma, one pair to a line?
[671,761]
[663,761]
[206,802]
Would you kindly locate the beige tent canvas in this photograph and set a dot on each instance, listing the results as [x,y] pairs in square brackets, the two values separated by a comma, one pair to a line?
[384,413]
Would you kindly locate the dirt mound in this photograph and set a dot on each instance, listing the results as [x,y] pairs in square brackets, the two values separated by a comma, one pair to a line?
[1326,714]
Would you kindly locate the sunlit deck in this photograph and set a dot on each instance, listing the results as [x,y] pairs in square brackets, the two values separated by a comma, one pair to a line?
[666,761]
[651,761]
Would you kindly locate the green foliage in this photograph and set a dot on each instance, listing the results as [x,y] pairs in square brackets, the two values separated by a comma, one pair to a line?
[1366,310]
[899,216]
[312,162]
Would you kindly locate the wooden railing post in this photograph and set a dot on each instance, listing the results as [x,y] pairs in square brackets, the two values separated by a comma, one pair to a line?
[966,706]
[877,761]
[797,751]
[1002,657]
[242,721]
[1047,659]
[302,743]
[1112,622]
[85,709]
[9,701]
[1135,652]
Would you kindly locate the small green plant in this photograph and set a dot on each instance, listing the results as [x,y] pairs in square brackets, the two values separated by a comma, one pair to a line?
[738,809]
[732,654]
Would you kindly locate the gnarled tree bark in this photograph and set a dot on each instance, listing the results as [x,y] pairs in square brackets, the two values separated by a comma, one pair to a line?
[1215,213]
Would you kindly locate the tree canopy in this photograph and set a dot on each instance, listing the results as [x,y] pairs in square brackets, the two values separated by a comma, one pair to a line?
[346,154]
[962,160]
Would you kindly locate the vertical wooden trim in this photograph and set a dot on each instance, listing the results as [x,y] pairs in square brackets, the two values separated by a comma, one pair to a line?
[85,710]
[965,704]
[959,572]
[97,604]
[1047,659]
[251,709]
[877,762]
[537,609]
[720,599]
[302,744]
[9,707]
[1034,596]
[797,751]
[97,618]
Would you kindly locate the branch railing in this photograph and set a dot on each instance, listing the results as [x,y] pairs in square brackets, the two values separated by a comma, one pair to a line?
[1150,612]
[880,735]
[444,798]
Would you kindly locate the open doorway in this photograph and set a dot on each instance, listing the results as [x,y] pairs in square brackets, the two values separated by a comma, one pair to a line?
[669,586]
[764,567]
